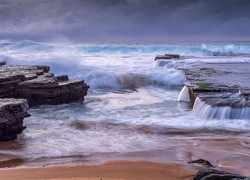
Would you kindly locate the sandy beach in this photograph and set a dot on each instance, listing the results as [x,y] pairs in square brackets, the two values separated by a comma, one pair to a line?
[227,154]
[117,170]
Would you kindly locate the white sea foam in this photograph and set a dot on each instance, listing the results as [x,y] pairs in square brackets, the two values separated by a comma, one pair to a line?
[205,111]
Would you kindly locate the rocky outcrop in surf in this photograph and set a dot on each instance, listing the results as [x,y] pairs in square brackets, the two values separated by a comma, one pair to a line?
[168,56]
[38,86]
[218,91]
[32,86]
[12,113]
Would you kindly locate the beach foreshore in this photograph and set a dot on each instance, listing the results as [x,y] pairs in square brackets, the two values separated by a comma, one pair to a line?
[126,170]
[225,154]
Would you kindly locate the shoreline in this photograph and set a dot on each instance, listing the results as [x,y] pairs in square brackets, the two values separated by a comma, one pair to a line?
[125,170]
[229,154]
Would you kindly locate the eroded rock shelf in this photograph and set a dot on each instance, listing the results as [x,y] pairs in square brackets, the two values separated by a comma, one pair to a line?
[12,113]
[229,82]
[215,90]
[27,86]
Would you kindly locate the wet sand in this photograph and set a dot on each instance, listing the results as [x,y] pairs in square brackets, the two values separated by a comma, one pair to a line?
[126,170]
[227,152]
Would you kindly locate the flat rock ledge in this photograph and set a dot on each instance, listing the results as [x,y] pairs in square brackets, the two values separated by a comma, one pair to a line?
[38,86]
[12,113]
[215,90]
[32,86]
[219,85]
[167,56]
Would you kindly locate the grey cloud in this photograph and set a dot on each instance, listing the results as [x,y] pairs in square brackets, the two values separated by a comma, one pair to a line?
[117,20]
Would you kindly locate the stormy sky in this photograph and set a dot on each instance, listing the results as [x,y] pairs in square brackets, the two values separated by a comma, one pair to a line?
[125,20]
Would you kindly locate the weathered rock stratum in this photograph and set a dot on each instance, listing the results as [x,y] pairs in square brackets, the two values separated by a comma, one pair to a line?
[12,113]
[219,91]
[215,90]
[27,86]
[38,86]
[220,85]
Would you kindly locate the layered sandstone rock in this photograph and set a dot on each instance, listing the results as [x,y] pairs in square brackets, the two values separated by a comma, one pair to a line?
[32,86]
[38,86]
[12,113]
[219,91]
[217,85]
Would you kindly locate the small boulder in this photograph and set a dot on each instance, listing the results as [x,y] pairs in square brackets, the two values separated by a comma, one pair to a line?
[12,113]
[209,174]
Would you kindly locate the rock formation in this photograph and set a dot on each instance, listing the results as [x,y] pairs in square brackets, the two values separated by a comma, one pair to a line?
[38,86]
[219,91]
[208,174]
[12,113]
[32,86]
[167,56]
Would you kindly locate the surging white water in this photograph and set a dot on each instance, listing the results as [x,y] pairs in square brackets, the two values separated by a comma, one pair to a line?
[184,95]
[205,111]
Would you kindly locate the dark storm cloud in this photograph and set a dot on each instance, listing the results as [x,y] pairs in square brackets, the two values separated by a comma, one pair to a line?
[124,20]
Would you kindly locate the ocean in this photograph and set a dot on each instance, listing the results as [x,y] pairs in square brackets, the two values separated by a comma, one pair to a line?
[131,106]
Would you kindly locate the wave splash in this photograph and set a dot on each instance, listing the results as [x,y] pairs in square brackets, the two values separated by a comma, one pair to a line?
[132,80]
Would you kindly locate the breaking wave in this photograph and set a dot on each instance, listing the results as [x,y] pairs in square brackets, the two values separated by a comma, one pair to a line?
[189,49]
[132,80]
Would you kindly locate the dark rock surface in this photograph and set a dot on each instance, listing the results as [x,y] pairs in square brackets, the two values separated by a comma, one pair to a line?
[219,84]
[212,174]
[2,63]
[32,86]
[202,162]
[167,56]
[12,113]
[38,86]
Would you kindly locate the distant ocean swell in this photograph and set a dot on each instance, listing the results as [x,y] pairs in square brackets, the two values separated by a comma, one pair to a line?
[193,49]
